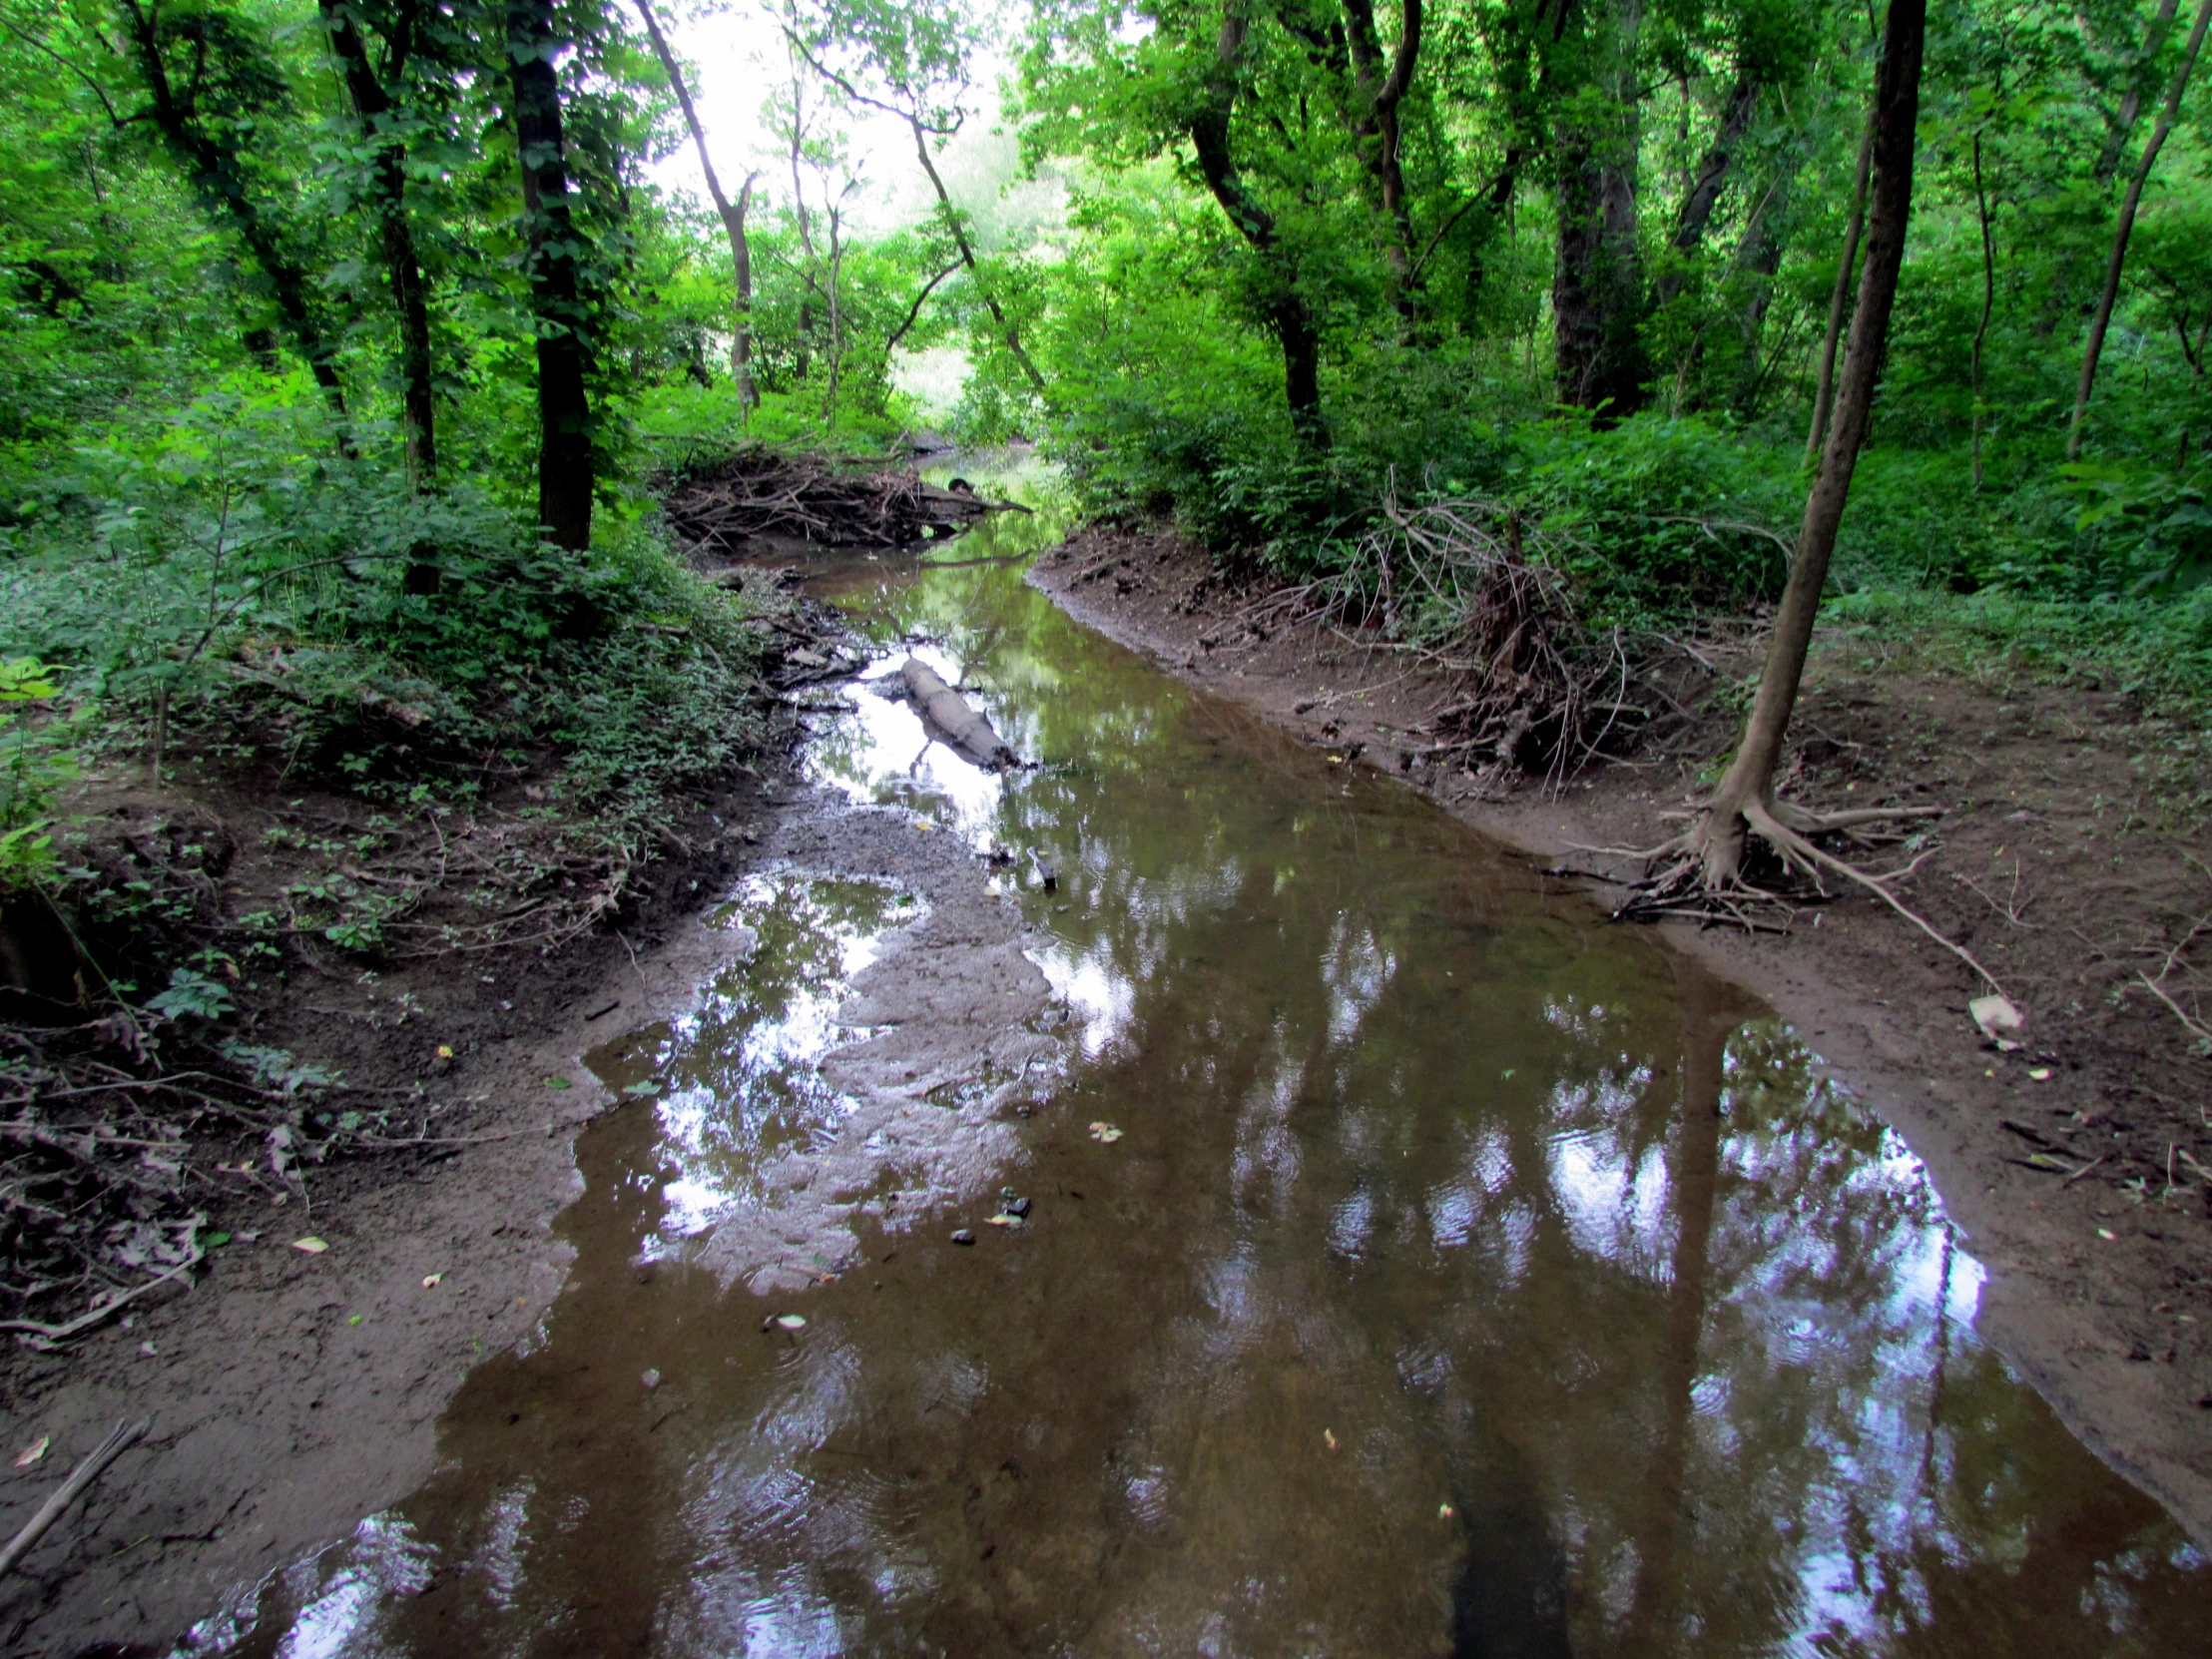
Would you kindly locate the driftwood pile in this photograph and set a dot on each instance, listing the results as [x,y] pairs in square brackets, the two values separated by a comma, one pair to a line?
[1467,587]
[762,492]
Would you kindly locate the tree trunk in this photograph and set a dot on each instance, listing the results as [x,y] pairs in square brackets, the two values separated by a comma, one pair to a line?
[217,175]
[733,214]
[1375,125]
[2126,227]
[1750,779]
[1760,254]
[1705,191]
[372,108]
[1839,298]
[1006,330]
[2131,101]
[1597,289]
[1988,301]
[1288,318]
[836,320]
[565,460]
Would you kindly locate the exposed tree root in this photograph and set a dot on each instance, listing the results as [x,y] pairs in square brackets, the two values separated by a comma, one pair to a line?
[1699,874]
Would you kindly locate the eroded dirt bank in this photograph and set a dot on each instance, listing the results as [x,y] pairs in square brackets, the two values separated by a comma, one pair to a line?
[2059,865]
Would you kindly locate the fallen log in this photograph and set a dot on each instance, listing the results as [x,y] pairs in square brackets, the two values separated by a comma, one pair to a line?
[960,727]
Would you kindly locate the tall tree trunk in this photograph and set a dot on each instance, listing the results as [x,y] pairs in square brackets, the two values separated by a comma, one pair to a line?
[1288,318]
[565,460]
[733,214]
[1375,125]
[2126,227]
[1597,289]
[1838,297]
[836,320]
[1496,202]
[1750,778]
[1597,286]
[2122,122]
[1988,301]
[372,108]
[1760,254]
[1006,330]
[1705,190]
[217,177]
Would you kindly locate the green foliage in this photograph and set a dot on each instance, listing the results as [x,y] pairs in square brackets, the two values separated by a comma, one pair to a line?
[33,769]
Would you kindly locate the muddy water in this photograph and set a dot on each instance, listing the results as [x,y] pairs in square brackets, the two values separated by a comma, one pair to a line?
[1414,1265]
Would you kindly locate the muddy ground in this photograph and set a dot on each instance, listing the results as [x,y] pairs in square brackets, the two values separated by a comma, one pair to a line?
[2067,861]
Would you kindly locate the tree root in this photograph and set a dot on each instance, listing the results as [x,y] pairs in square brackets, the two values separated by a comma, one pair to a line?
[1697,884]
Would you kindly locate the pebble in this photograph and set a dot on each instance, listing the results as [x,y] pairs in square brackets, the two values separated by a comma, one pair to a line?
[651,1380]
[963,1237]
[1017,1208]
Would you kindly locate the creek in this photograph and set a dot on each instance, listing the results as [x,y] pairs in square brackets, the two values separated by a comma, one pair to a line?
[1415,1264]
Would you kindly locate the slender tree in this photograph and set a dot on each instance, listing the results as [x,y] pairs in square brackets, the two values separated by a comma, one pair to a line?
[1988,299]
[1710,855]
[733,214]
[379,118]
[226,82]
[1705,188]
[2121,122]
[2118,263]
[1838,296]
[1288,318]
[1380,87]
[558,310]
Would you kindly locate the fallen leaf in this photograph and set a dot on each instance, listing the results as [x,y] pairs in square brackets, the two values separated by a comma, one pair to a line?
[310,1244]
[1330,1436]
[432,1281]
[791,1321]
[2104,1233]
[445,1051]
[1998,1019]
[1105,1132]
[559,1083]
[355,1319]
[2042,1074]
[33,1452]
[216,1241]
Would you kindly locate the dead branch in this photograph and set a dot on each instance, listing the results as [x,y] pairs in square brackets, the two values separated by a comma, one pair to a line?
[120,1439]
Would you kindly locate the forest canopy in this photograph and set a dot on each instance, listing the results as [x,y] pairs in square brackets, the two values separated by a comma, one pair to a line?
[367,327]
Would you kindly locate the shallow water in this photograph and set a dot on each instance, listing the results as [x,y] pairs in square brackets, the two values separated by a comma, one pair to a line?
[1469,1277]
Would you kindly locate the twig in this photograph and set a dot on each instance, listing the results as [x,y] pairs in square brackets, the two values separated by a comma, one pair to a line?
[86,1320]
[124,1436]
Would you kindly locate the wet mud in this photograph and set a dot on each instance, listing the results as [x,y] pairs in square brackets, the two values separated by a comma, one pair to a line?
[1390,1258]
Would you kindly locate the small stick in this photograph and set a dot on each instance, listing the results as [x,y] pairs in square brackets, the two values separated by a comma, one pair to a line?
[45,1332]
[124,1436]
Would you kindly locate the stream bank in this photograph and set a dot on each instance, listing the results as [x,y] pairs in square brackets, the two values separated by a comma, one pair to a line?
[1388,1254]
[2102,1287]
[1181,1189]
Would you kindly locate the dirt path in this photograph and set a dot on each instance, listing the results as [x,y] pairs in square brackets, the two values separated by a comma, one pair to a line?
[2064,864]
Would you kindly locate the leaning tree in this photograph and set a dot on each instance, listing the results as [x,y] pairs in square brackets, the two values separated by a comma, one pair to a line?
[1705,864]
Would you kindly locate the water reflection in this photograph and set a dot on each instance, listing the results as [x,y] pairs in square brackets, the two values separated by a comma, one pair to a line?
[1471,1278]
